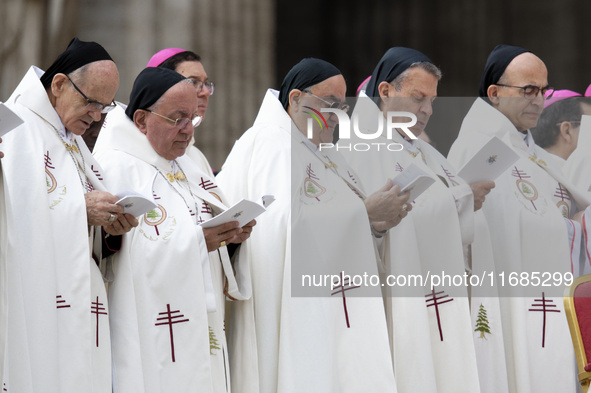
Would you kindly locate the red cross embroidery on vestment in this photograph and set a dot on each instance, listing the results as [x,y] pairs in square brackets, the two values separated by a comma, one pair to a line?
[436,300]
[344,285]
[544,306]
[98,309]
[61,303]
[170,318]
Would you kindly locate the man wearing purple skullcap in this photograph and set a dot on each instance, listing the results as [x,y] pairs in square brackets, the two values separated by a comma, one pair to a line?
[578,164]
[55,203]
[530,215]
[189,65]
[558,128]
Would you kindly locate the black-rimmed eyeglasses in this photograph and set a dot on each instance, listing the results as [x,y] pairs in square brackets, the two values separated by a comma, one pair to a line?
[93,106]
[531,91]
[575,123]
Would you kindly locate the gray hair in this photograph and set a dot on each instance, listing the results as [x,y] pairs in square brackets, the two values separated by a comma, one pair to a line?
[79,74]
[546,132]
[424,65]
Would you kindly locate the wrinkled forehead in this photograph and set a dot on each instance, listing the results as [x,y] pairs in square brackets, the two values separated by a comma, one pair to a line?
[334,86]
[97,74]
[180,97]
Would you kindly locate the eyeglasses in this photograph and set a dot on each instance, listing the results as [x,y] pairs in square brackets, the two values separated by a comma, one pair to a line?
[181,122]
[531,91]
[332,105]
[199,85]
[93,106]
[575,123]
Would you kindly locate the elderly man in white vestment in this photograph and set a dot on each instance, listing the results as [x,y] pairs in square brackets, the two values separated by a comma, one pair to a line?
[171,275]
[526,213]
[54,315]
[321,217]
[436,353]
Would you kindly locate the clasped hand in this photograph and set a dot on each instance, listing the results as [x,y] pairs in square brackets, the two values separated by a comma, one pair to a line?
[100,205]
[387,206]
[227,233]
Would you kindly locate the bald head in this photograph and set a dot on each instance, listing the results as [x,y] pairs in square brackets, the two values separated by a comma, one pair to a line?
[526,68]
[101,75]
[508,96]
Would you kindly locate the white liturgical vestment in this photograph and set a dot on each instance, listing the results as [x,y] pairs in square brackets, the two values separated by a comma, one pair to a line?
[54,305]
[333,341]
[167,294]
[434,353]
[525,216]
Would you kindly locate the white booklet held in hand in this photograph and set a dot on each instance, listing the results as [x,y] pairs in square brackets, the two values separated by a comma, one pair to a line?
[243,212]
[413,179]
[136,203]
[489,162]
[8,120]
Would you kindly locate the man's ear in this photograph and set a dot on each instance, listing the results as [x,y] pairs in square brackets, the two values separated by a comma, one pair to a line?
[384,89]
[493,94]
[566,131]
[58,84]
[139,119]
[294,99]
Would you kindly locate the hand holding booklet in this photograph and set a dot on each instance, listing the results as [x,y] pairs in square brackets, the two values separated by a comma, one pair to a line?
[494,158]
[136,203]
[243,212]
[413,179]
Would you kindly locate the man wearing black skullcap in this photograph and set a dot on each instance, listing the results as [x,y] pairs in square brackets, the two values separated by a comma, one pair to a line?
[172,276]
[431,356]
[529,215]
[55,201]
[322,221]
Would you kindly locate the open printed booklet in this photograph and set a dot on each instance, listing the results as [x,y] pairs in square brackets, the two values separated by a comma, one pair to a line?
[494,158]
[138,203]
[413,179]
[243,212]
[8,120]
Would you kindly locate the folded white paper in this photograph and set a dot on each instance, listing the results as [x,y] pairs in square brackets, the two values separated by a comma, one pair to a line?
[138,203]
[489,162]
[8,120]
[413,179]
[243,212]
